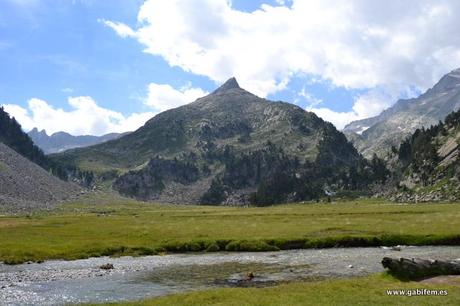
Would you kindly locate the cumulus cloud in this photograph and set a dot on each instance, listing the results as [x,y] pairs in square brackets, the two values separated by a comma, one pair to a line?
[353,43]
[366,105]
[84,118]
[339,119]
[162,97]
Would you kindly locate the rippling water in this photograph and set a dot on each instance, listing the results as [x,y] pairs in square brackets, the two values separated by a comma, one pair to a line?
[79,281]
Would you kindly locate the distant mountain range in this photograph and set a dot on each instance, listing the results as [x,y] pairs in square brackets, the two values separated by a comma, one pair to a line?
[61,141]
[378,134]
[234,148]
[230,147]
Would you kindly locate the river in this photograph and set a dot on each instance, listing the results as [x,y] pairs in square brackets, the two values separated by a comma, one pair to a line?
[133,278]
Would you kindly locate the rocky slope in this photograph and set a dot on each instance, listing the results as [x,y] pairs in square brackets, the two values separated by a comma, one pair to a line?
[380,133]
[61,141]
[427,164]
[229,147]
[25,186]
[12,135]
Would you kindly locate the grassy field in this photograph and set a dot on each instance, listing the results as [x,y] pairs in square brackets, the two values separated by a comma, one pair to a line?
[108,225]
[369,290]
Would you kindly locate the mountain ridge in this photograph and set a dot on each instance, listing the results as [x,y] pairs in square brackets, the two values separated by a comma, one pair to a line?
[61,141]
[378,134]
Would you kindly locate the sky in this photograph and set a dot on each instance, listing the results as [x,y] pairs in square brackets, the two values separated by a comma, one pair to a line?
[98,66]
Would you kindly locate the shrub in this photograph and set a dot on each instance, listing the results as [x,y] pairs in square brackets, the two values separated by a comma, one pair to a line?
[250,246]
[213,247]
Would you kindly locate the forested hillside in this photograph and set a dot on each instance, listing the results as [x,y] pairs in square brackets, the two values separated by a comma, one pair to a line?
[14,137]
[428,162]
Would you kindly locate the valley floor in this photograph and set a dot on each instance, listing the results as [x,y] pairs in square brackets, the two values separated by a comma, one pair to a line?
[107,225]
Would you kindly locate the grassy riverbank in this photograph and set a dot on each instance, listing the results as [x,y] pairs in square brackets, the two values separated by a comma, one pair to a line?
[369,290]
[107,225]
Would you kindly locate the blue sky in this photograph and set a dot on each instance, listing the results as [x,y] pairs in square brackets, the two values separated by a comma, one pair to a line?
[120,68]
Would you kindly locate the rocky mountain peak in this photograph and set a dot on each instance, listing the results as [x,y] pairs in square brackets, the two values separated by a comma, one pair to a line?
[60,134]
[36,132]
[392,126]
[229,84]
[448,82]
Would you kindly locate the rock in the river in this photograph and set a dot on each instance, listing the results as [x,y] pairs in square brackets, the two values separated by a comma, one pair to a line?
[107,266]
[416,268]
[249,276]
[392,248]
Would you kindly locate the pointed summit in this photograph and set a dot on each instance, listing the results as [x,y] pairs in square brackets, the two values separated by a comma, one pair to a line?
[229,84]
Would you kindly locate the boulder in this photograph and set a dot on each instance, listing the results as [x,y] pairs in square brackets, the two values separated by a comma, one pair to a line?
[107,266]
[416,268]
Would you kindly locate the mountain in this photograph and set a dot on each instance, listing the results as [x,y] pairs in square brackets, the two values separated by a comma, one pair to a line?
[229,147]
[62,141]
[25,186]
[11,134]
[378,134]
[428,163]
[25,180]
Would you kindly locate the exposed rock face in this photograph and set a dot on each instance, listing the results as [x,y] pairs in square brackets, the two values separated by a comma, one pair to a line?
[224,147]
[380,133]
[230,84]
[427,164]
[25,186]
[61,141]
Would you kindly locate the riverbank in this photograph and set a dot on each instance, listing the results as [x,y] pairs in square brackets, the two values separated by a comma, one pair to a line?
[369,290]
[102,225]
[137,278]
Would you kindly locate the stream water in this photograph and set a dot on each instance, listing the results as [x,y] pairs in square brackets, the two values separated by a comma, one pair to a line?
[82,281]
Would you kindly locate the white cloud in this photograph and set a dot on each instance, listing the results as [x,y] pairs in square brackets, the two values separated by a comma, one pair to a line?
[366,105]
[88,118]
[162,97]
[356,44]
[84,118]
[310,99]
[339,119]
[120,28]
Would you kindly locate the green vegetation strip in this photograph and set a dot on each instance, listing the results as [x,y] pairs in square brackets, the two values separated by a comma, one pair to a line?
[371,290]
[109,226]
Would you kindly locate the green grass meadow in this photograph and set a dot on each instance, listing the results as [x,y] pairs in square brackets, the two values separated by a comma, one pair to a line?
[99,225]
[364,291]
